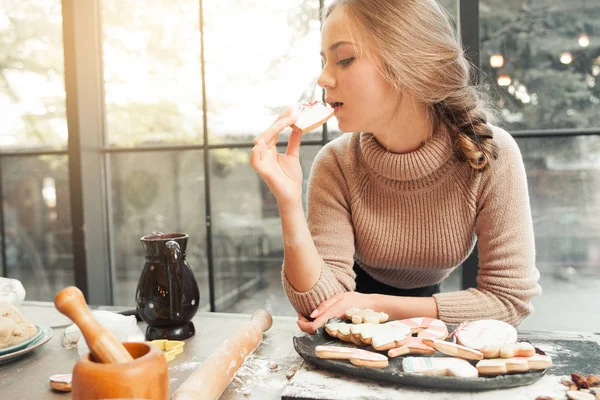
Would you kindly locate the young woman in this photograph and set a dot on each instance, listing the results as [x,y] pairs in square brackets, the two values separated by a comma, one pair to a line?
[397,205]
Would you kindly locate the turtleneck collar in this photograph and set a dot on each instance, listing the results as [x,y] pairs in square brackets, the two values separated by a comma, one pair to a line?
[407,166]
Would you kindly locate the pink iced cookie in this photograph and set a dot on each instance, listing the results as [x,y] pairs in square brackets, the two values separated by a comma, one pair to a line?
[311,115]
[356,356]
[453,349]
[478,334]
[414,345]
[427,327]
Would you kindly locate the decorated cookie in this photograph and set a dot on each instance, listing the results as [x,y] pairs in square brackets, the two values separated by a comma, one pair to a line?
[538,362]
[61,382]
[499,366]
[489,332]
[521,349]
[362,332]
[310,115]
[453,349]
[341,330]
[381,336]
[414,345]
[427,327]
[360,316]
[580,395]
[356,356]
[440,366]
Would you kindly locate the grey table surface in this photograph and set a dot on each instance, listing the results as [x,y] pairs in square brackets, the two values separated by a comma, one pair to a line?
[264,375]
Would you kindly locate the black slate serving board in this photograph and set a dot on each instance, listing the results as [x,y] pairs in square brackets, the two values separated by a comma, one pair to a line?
[305,346]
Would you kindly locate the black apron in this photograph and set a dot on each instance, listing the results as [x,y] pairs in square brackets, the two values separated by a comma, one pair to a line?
[366,284]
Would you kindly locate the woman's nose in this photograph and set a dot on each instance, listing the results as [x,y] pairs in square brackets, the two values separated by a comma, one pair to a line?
[326,79]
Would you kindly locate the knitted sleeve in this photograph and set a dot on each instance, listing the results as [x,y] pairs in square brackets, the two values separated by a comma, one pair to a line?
[508,277]
[330,224]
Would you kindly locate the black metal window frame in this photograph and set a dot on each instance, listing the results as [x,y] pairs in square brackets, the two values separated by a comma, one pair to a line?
[88,154]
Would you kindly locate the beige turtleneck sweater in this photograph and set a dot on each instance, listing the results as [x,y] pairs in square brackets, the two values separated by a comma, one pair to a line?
[410,219]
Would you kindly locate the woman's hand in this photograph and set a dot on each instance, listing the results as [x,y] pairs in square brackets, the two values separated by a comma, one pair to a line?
[281,172]
[335,306]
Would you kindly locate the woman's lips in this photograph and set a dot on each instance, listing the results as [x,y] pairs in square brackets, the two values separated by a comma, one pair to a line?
[336,107]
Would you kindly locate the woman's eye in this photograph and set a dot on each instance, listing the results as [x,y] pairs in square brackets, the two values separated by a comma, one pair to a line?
[346,61]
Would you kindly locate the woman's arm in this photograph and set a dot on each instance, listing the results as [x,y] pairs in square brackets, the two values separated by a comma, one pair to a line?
[508,277]
[319,250]
[397,307]
[302,263]
[283,175]
[318,255]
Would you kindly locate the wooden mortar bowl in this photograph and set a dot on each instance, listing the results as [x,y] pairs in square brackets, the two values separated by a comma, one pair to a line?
[146,377]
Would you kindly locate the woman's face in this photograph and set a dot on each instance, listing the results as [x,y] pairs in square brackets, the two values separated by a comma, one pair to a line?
[362,99]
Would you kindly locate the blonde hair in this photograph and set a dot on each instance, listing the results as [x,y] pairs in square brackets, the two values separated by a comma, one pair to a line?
[422,54]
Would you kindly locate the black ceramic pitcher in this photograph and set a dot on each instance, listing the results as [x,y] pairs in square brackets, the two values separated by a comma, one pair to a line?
[167,294]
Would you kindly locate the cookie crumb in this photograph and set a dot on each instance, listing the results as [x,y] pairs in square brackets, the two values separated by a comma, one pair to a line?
[245,390]
[290,374]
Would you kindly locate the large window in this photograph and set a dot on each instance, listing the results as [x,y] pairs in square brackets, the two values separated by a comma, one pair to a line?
[564,189]
[261,56]
[152,72]
[36,238]
[37,245]
[540,61]
[155,191]
[178,92]
[32,86]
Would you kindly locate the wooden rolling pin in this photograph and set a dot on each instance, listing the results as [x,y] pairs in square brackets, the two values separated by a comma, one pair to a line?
[103,345]
[212,377]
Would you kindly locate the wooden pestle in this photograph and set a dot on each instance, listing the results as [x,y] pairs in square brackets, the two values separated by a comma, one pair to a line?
[212,377]
[103,345]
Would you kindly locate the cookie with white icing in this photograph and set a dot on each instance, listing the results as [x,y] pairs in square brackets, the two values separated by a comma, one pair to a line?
[61,382]
[310,115]
[521,349]
[439,366]
[539,362]
[361,316]
[489,332]
[340,330]
[382,336]
[357,357]
[580,395]
[500,366]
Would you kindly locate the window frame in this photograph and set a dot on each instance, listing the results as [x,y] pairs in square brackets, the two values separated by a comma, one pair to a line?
[88,154]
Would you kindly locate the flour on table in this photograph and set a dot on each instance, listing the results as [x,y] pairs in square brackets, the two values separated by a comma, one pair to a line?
[186,366]
[309,383]
[552,350]
[257,371]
